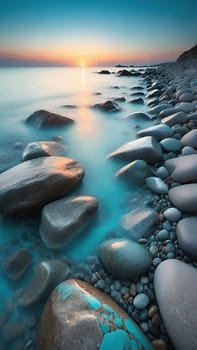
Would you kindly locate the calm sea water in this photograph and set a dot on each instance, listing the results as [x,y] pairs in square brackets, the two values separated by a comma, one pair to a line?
[89,140]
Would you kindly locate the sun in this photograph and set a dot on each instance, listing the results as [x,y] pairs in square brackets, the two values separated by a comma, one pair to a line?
[82,64]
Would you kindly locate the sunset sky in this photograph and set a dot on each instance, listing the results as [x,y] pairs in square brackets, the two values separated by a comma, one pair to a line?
[92,32]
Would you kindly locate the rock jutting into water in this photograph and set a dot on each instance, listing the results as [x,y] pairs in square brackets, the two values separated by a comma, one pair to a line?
[43,149]
[93,321]
[32,184]
[108,106]
[44,119]
[62,220]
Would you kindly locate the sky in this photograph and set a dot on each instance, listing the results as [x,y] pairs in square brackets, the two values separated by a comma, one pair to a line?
[92,32]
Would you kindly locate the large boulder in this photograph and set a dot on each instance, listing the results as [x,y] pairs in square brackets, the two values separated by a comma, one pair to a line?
[176,118]
[78,316]
[146,148]
[184,197]
[175,286]
[32,184]
[47,276]
[140,222]
[187,237]
[124,259]
[135,171]
[183,169]
[43,149]
[62,220]
[44,118]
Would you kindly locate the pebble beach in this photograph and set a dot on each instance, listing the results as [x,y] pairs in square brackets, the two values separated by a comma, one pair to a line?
[137,289]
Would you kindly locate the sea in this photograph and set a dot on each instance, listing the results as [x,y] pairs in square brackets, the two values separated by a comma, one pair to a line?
[89,140]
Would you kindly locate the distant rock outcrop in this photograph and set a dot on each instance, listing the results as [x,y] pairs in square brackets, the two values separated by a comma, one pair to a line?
[188,55]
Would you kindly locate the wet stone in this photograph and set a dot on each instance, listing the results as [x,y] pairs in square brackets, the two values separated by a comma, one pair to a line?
[17,264]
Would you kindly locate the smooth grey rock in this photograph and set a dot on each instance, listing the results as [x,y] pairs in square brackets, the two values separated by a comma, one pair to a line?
[177,118]
[183,169]
[78,316]
[63,219]
[140,222]
[162,172]
[124,259]
[47,275]
[138,115]
[156,185]
[163,235]
[184,197]
[160,107]
[175,286]
[17,264]
[44,118]
[190,139]
[108,106]
[138,100]
[43,149]
[171,145]
[153,93]
[187,150]
[145,148]
[186,107]
[187,236]
[192,116]
[169,111]
[172,214]
[159,131]
[135,171]
[186,97]
[30,185]
[141,301]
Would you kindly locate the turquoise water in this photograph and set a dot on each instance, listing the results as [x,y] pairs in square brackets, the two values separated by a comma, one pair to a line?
[95,134]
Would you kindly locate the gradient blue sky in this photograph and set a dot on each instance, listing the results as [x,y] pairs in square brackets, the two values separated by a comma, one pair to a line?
[95,32]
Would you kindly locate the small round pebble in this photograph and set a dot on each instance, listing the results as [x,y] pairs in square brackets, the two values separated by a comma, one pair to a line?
[156,261]
[172,214]
[141,301]
[153,250]
[163,235]
[162,172]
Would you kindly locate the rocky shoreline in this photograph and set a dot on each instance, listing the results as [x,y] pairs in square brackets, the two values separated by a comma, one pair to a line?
[152,278]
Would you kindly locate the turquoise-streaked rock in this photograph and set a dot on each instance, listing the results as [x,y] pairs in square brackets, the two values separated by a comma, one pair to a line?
[171,145]
[79,316]
[175,286]
[183,169]
[43,149]
[187,236]
[156,185]
[62,220]
[140,222]
[146,148]
[45,119]
[184,197]
[159,131]
[31,184]
[135,171]
[124,259]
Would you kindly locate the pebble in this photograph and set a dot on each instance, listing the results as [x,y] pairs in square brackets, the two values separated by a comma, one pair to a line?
[162,172]
[172,214]
[156,261]
[163,235]
[141,301]
[154,251]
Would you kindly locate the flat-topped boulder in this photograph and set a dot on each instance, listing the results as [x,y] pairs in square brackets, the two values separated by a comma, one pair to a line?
[187,236]
[138,115]
[175,286]
[135,171]
[124,259]
[43,149]
[190,139]
[183,169]
[177,118]
[159,131]
[32,184]
[108,106]
[42,118]
[146,148]
[65,218]
[140,222]
[79,316]
[184,197]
